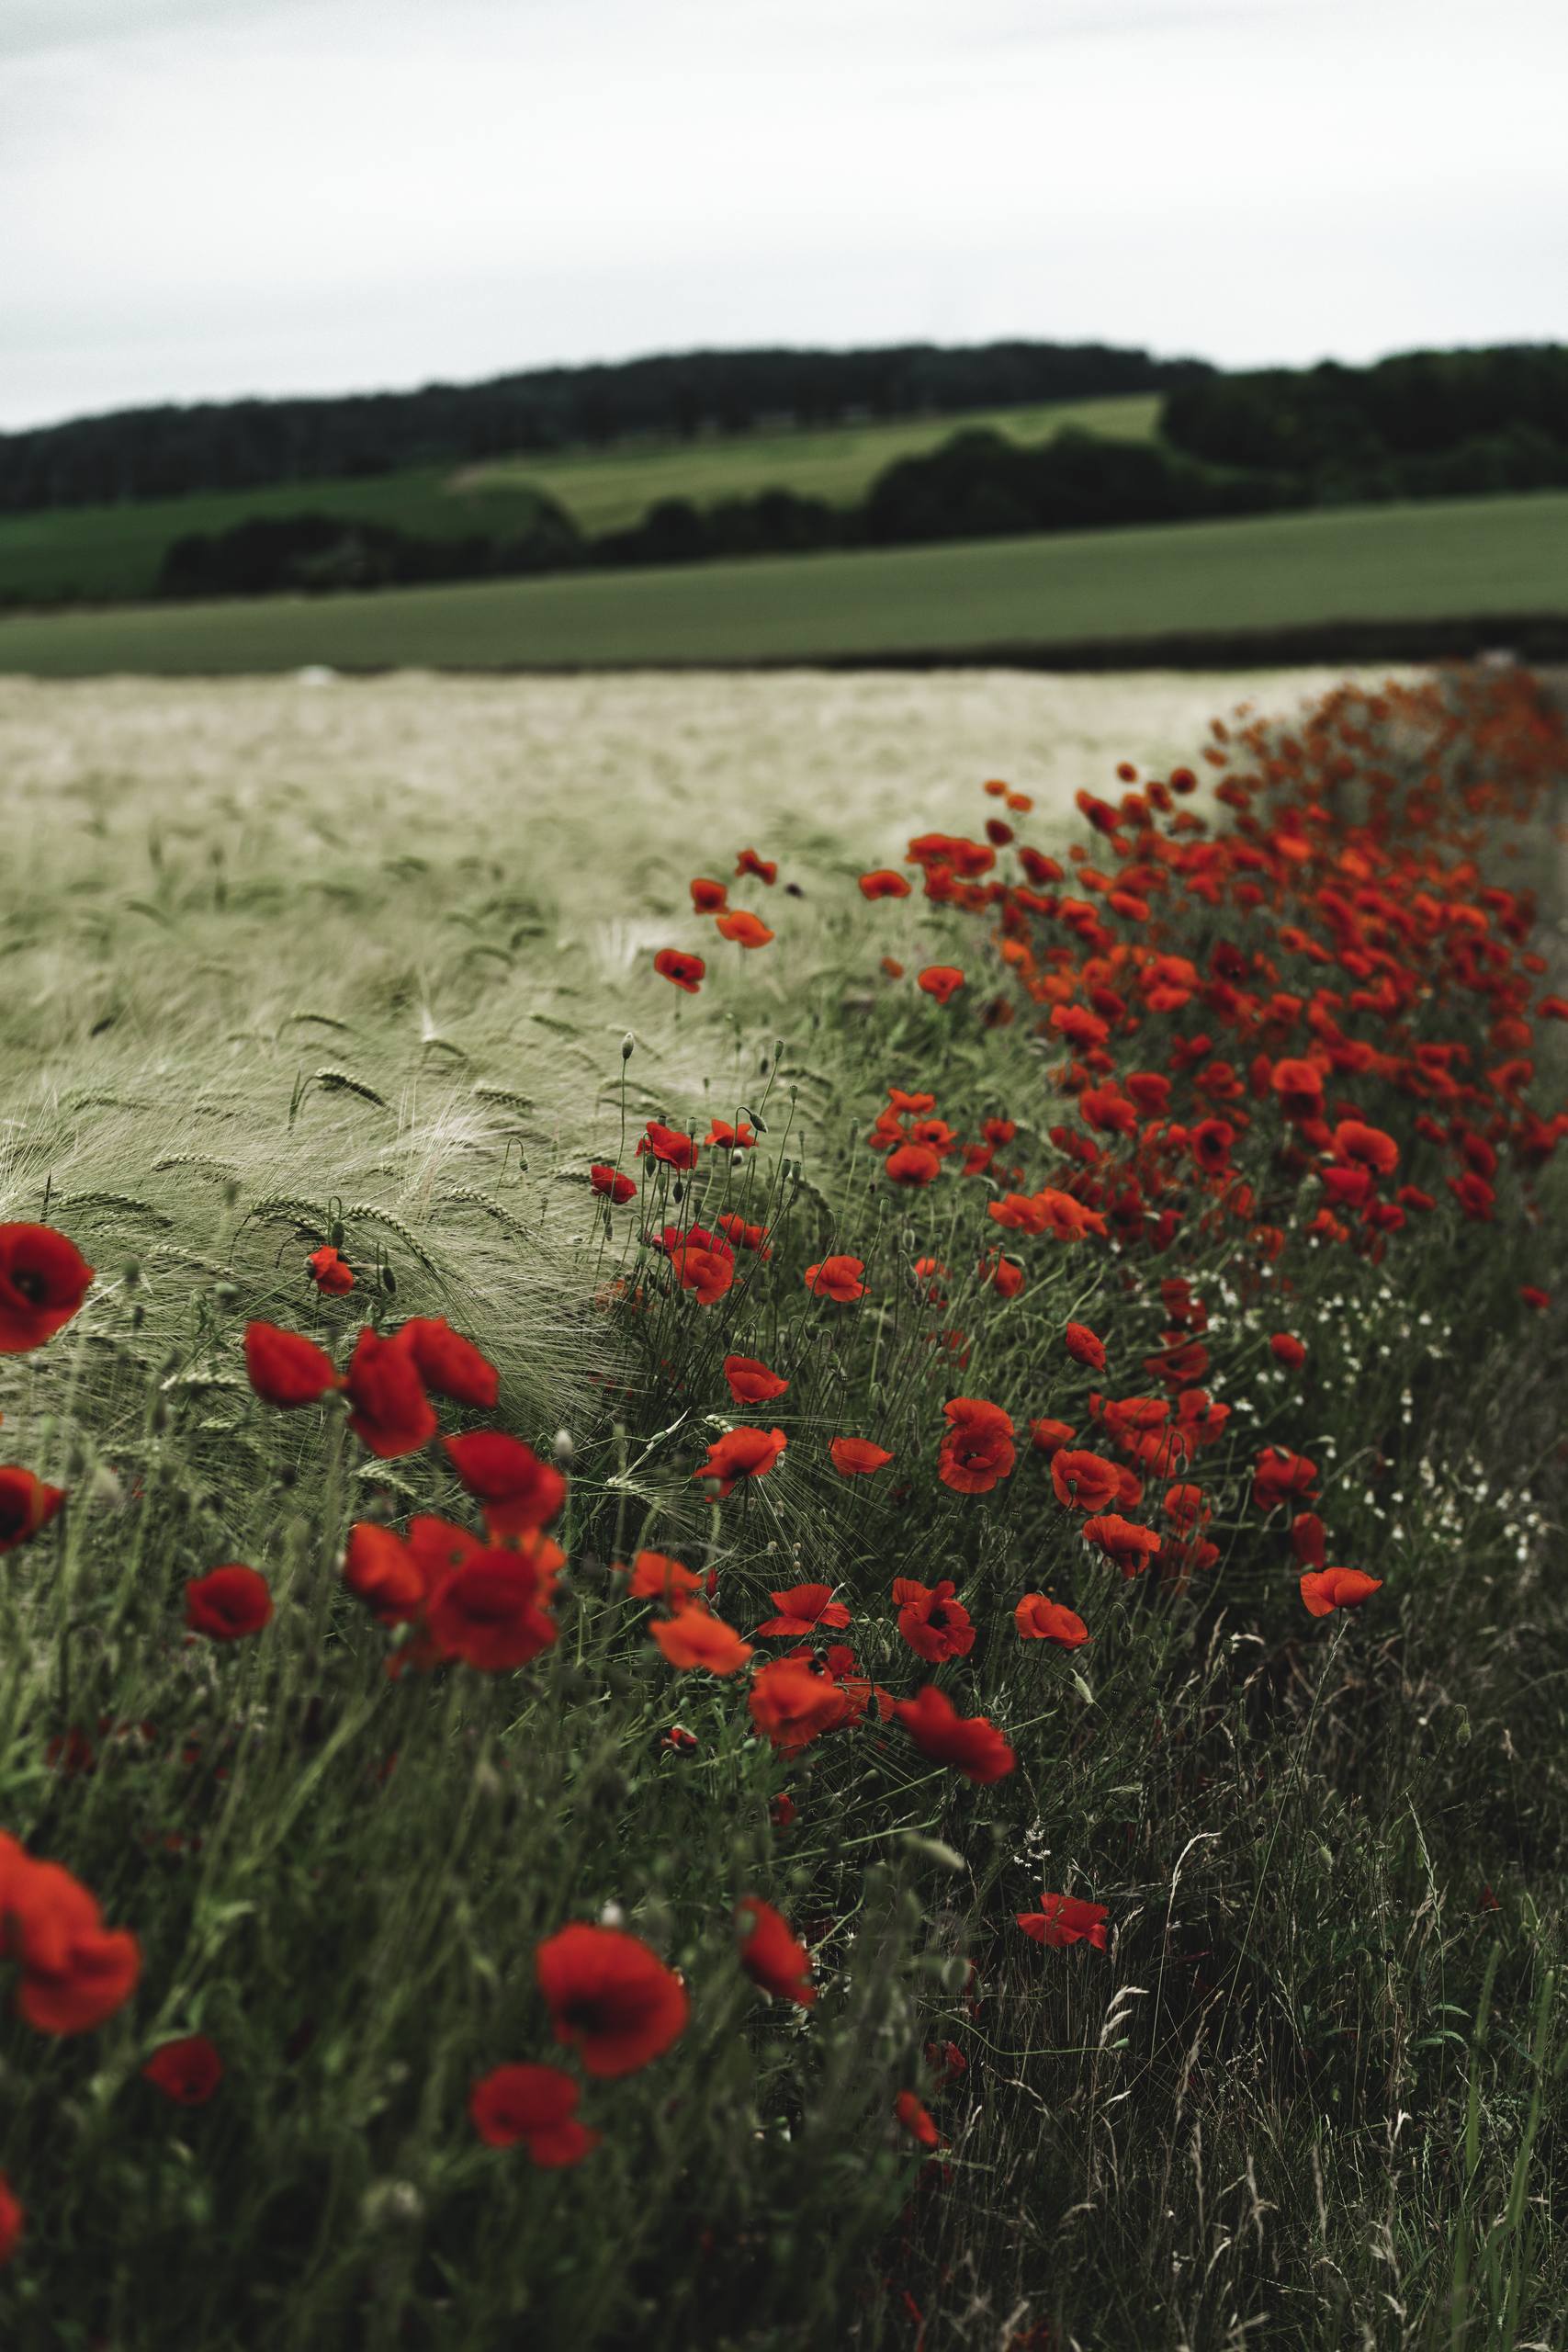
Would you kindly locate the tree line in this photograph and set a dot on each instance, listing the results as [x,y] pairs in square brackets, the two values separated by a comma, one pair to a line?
[167,451]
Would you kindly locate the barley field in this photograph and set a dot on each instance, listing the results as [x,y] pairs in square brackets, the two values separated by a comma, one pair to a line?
[781,1547]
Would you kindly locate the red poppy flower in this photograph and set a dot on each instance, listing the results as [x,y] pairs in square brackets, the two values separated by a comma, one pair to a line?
[941,980]
[1039,1619]
[228,1603]
[970,1744]
[749,1381]
[330,1271]
[916,2120]
[286,1369]
[885,883]
[75,1973]
[43,1280]
[610,1998]
[764,868]
[790,1706]
[744,1235]
[390,1411]
[1186,1507]
[745,929]
[1064,1919]
[1323,1590]
[838,1278]
[1287,1349]
[934,1624]
[490,1611]
[694,1637]
[534,2106]
[1369,1147]
[1309,1539]
[771,1956]
[517,1491]
[26,1505]
[802,1609]
[731,1138]
[709,898]
[1125,1544]
[653,1576]
[686,971]
[978,1449]
[914,1164]
[12,2220]
[1534,1296]
[611,1182]
[856,1458]
[1282,1477]
[1004,1274]
[743,1453]
[1049,1437]
[188,2072]
[381,1569]
[1085,1346]
[449,1364]
[1084,1481]
[667,1146]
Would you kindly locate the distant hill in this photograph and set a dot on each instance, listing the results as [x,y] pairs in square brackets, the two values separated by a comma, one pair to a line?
[247,444]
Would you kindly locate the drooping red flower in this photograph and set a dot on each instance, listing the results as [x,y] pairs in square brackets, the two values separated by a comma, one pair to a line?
[709,898]
[228,1603]
[449,1364]
[838,1278]
[749,1381]
[970,1744]
[694,1637]
[610,1998]
[886,882]
[1039,1619]
[533,2106]
[1064,1919]
[916,2121]
[1309,1539]
[517,1492]
[43,1280]
[765,869]
[857,1457]
[667,1146]
[935,1625]
[1084,1481]
[742,1453]
[790,1706]
[802,1608]
[1049,1437]
[654,1575]
[490,1610]
[941,980]
[1286,1348]
[727,1136]
[1128,1547]
[187,2072]
[772,1955]
[1323,1590]
[746,930]
[978,1449]
[743,1236]
[286,1369]
[330,1271]
[1369,1147]
[75,1971]
[1282,1477]
[686,971]
[611,1183]
[1084,1345]
[702,1265]
[13,2219]
[26,1505]
[384,1572]
[913,1164]
[389,1410]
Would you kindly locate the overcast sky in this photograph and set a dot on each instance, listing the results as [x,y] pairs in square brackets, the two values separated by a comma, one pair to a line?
[206,198]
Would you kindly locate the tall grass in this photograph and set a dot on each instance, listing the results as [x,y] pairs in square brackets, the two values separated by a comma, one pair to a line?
[1310,2091]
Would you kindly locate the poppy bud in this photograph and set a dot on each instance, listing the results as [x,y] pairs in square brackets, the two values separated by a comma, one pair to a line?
[225,1294]
[389,1280]
[334,1234]
[628,1045]
[131,1274]
[564,1447]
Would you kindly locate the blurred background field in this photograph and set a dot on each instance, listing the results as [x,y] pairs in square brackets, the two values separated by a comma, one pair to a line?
[1431,560]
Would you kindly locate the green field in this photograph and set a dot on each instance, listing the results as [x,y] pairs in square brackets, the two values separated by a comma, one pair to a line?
[105,553]
[1433,560]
